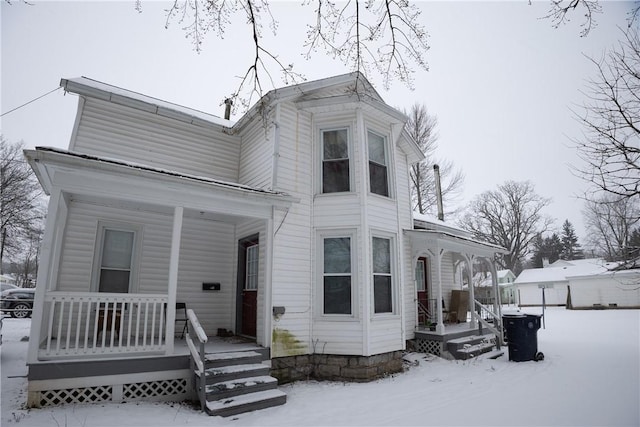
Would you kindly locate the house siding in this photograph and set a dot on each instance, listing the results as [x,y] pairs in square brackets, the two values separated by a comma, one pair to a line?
[256,154]
[292,269]
[206,255]
[119,132]
[619,290]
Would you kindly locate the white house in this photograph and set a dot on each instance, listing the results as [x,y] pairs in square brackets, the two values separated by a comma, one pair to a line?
[586,283]
[291,227]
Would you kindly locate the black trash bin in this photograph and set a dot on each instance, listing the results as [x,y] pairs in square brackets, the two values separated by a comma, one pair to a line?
[522,336]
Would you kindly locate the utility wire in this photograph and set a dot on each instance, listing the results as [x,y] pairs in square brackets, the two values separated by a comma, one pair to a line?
[29,102]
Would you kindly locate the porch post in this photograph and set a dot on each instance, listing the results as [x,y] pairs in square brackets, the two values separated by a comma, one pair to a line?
[497,304]
[174,259]
[472,293]
[49,254]
[440,325]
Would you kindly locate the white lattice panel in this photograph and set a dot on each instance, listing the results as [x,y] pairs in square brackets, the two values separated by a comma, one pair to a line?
[75,395]
[430,347]
[154,389]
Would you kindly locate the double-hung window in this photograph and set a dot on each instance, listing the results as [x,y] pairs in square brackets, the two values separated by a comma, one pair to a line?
[337,275]
[335,161]
[115,258]
[382,278]
[378,171]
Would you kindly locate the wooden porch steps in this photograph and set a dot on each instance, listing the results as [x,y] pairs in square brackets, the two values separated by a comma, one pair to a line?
[471,346]
[238,382]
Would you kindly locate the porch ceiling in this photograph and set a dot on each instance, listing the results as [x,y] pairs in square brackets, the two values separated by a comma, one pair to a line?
[429,239]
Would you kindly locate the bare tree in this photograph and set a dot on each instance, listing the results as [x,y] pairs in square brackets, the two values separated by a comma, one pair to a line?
[511,217]
[20,196]
[610,222]
[383,36]
[610,146]
[560,13]
[422,127]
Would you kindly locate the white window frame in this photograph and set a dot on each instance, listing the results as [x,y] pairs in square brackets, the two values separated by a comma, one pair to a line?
[393,260]
[320,135]
[328,234]
[99,246]
[390,162]
[252,279]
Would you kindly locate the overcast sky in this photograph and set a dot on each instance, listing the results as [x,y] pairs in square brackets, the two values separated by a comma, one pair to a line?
[501,80]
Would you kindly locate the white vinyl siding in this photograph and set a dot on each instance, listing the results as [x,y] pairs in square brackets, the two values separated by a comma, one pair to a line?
[119,132]
[206,255]
[256,155]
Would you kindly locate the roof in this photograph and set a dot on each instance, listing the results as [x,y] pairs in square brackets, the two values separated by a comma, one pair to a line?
[62,155]
[561,271]
[89,87]
[430,222]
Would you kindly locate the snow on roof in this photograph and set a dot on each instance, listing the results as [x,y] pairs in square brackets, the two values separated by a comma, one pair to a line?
[86,86]
[559,272]
[133,165]
[432,223]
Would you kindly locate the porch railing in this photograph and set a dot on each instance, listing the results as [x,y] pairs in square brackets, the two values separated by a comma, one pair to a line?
[196,340]
[102,324]
[490,320]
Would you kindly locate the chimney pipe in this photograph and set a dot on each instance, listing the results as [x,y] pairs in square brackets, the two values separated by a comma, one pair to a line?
[227,108]
[436,172]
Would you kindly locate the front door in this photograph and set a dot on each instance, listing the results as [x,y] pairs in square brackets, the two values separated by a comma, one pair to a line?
[421,286]
[248,260]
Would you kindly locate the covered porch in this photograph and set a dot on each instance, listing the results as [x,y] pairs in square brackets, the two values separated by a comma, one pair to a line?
[124,243]
[445,311]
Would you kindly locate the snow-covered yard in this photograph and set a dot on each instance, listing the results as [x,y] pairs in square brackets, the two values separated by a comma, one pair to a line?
[590,376]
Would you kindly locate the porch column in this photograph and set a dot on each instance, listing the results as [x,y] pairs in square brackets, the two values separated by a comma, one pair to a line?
[440,325]
[497,304]
[174,259]
[48,267]
[468,259]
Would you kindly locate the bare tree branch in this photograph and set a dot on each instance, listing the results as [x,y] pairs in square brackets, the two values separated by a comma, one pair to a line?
[610,145]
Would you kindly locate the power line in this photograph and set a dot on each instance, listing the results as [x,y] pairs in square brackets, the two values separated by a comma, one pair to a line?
[29,102]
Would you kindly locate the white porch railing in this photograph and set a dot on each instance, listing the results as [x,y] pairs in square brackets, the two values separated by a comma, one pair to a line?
[490,320]
[102,324]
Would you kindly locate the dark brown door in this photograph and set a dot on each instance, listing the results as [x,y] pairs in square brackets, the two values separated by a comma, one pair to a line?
[422,289]
[248,274]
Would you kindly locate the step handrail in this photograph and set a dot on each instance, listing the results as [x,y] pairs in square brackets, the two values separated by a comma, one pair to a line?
[197,355]
[497,331]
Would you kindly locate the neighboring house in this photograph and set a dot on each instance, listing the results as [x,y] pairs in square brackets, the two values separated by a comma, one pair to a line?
[586,283]
[291,227]
[7,280]
[483,284]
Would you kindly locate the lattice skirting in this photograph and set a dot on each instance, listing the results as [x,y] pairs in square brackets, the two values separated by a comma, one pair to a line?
[122,392]
[430,347]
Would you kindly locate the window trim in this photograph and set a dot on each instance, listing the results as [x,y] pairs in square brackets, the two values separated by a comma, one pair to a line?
[103,226]
[319,265]
[320,132]
[393,260]
[387,166]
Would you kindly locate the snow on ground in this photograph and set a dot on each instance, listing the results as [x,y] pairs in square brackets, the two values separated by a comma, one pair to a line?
[590,377]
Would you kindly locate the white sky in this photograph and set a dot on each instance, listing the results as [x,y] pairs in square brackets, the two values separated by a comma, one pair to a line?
[501,80]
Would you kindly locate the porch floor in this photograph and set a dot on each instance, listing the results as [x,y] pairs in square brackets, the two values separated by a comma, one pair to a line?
[451,331]
[217,344]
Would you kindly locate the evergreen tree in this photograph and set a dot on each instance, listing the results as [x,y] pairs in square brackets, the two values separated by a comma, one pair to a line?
[548,248]
[570,247]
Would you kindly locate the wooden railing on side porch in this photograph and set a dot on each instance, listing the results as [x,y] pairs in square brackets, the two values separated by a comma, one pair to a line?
[196,340]
[102,324]
[490,320]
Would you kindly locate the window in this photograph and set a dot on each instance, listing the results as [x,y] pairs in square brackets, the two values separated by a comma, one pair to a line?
[116,257]
[251,283]
[382,288]
[378,180]
[335,161]
[337,275]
